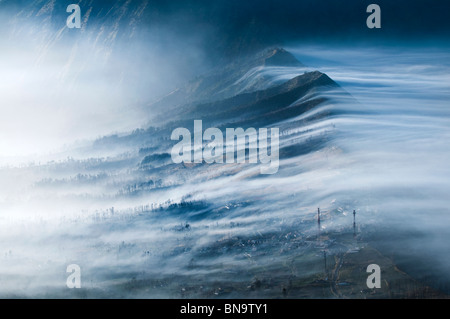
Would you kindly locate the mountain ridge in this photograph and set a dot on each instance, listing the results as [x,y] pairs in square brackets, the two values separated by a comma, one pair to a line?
[223,82]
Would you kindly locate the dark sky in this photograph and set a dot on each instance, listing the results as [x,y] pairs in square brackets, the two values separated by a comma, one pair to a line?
[241,25]
[236,26]
[308,19]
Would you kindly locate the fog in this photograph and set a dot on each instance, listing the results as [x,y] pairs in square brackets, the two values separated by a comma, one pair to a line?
[396,156]
[401,143]
[385,155]
[60,85]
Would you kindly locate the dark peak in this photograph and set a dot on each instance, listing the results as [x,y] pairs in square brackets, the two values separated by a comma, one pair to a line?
[224,81]
[317,77]
[268,57]
[279,57]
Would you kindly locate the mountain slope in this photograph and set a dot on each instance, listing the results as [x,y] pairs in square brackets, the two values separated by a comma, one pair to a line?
[240,76]
[288,93]
[141,213]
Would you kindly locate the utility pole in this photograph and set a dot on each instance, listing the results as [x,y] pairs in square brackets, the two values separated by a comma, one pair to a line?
[318,224]
[354,223]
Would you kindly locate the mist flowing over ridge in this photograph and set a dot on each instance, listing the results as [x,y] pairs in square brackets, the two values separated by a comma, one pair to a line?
[363,152]
[140,184]
[190,220]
